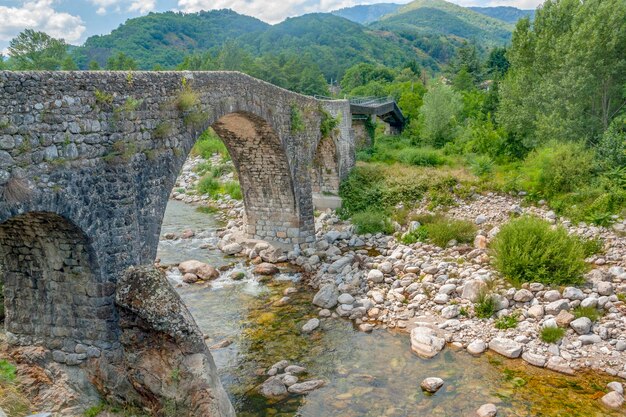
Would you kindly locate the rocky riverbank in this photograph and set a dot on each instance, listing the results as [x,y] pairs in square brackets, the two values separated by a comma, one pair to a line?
[430,292]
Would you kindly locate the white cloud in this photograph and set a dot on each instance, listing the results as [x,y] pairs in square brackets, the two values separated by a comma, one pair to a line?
[141,6]
[39,15]
[520,4]
[272,11]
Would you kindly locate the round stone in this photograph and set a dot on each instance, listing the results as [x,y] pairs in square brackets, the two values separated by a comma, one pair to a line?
[431,384]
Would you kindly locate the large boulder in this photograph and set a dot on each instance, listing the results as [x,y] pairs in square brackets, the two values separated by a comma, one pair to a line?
[199,269]
[273,388]
[159,338]
[472,289]
[613,400]
[306,386]
[425,342]
[327,296]
[506,347]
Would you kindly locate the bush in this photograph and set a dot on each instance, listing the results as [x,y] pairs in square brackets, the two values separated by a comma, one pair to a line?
[485,306]
[208,185]
[481,165]
[506,322]
[372,222]
[529,250]
[421,157]
[209,144]
[591,313]
[558,168]
[552,334]
[7,371]
[442,230]
[233,189]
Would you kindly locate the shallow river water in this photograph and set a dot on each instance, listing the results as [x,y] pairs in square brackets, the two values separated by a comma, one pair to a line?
[369,375]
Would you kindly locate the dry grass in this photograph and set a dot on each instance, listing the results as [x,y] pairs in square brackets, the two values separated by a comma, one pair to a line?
[16,190]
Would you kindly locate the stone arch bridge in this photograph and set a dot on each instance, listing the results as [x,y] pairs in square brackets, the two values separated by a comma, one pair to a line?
[87,162]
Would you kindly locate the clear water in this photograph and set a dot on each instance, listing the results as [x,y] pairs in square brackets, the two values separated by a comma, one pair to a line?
[367,374]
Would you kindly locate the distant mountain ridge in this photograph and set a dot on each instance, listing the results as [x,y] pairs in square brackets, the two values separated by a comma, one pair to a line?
[367,13]
[426,31]
[505,13]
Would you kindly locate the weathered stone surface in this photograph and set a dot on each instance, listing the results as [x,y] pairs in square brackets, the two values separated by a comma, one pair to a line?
[581,325]
[273,387]
[425,342]
[487,410]
[472,289]
[431,384]
[477,347]
[556,306]
[327,296]
[534,359]
[159,336]
[506,347]
[306,386]
[199,269]
[523,295]
[558,364]
[311,325]
[375,276]
[232,248]
[266,268]
[613,400]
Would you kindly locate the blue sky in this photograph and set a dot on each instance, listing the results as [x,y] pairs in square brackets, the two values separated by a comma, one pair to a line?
[75,20]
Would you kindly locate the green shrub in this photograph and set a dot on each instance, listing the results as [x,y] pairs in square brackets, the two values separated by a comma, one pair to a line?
[551,334]
[7,371]
[442,230]
[421,157]
[187,99]
[558,168]
[95,410]
[209,144]
[202,168]
[418,235]
[208,185]
[485,306]
[233,189]
[362,190]
[529,250]
[507,322]
[591,246]
[372,222]
[481,165]
[591,313]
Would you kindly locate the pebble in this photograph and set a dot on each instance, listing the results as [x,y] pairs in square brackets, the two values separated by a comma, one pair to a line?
[431,384]
[311,325]
[487,410]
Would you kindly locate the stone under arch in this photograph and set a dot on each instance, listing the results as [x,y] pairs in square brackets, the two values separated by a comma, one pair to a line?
[325,168]
[264,176]
[53,293]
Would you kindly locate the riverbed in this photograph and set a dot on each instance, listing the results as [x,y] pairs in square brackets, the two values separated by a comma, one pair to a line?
[372,374]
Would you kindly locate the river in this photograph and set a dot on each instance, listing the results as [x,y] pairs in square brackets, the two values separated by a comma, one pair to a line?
[369,375]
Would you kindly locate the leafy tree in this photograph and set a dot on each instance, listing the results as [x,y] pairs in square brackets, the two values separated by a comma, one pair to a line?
[68,64]
[121,62]
[32,50]
[567,72]
[440,114]
[497,63]
[94,66]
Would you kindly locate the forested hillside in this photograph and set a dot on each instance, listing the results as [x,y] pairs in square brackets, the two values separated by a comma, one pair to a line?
[426,31]
[163,39]
[504,13]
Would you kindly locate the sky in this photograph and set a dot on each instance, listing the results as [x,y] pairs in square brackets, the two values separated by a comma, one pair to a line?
[76,20]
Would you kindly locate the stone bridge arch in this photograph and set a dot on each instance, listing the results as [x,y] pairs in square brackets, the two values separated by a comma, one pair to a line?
[87,163]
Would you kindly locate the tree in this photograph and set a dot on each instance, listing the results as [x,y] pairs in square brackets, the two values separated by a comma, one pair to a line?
[68,64]
[497,63]
[567,72]
[439,114]
[94,66]
[121,62]
[32,50]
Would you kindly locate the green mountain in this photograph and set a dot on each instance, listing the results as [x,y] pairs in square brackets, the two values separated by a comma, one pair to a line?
[165,38]
[441,18]
[334,43]
[505,13]
[367,13]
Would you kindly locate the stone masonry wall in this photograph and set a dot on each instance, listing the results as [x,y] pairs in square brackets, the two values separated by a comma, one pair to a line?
[88,160]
